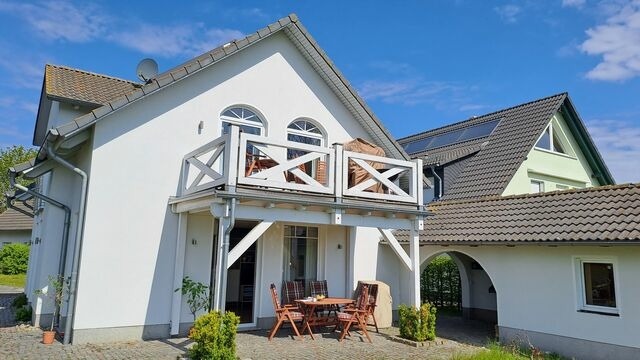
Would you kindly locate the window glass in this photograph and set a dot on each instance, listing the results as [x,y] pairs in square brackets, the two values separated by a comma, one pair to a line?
[300,254]
[557,146]
[599,284]
[545,140]
[537,186]
[306,132]
[246,119]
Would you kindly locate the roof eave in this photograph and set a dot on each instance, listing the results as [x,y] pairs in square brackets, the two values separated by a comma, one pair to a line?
[586,143]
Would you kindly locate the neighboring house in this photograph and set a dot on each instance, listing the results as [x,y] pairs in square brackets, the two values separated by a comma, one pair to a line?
[546,245]
[538,146]
[16,223]
[228,169]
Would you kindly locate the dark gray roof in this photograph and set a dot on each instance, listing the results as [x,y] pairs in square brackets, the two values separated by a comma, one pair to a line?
[12,219]
[294,29]
[496,158]
[596,214]
[445,155]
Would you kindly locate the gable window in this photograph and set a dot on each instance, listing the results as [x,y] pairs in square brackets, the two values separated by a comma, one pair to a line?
[597,285]
[550,141]
[537,186]
[247,120]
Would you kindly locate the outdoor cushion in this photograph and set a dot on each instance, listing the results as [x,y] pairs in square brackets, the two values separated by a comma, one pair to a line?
[292,290]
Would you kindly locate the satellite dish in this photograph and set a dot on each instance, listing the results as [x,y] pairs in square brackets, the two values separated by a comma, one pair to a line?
[147,69]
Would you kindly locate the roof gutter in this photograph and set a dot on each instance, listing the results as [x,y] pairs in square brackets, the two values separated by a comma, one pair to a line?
[73,283]
[530,243]
[65,230]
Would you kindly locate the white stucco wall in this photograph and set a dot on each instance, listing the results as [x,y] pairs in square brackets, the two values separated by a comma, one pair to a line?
[537,290]
[62,185]
[198,253]
[136,167]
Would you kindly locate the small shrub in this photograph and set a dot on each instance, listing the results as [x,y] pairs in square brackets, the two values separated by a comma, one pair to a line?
[23,314]
[214,335]
[19,301]
[14,259]
[418,324]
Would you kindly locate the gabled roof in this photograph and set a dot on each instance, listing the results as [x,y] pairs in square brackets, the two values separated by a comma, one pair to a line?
[12,219]
[83,87]
[296,32]
[497,157]
[597,214]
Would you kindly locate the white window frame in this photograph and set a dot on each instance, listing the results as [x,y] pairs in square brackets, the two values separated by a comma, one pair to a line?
[262,125]
[568,150]
[540,182]
[309,134]
[579,262]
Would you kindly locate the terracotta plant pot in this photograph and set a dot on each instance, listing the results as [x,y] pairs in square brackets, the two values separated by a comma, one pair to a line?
[48,337]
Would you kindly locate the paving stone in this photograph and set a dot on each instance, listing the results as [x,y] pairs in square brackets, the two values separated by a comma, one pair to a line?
[24,342]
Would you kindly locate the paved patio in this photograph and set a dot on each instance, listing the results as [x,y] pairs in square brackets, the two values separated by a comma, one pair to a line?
[23,342]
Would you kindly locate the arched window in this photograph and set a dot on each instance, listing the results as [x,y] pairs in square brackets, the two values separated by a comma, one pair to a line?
[305,131]
[247,120]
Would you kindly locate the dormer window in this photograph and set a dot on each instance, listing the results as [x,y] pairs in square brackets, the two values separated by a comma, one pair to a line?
[550,141]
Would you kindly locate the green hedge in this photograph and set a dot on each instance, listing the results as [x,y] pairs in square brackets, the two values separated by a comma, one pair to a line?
[14,259]
[214,335]
[418,324]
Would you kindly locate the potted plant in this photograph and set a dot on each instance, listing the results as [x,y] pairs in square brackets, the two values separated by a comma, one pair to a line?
[56,293]
[197,295]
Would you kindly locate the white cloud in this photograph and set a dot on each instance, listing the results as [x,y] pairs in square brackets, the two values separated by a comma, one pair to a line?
[509,13]
[573,3]
[60,19]
[618,42]
[439,94]
[173,40]
[66,21]
[618,143]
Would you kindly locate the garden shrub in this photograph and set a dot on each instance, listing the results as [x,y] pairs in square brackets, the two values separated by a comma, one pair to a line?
[19,301]
[14,259]
[214,335]
[23,314]
[418,324]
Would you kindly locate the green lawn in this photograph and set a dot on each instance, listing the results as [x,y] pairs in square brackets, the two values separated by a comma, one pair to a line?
[495,351]
[13,280]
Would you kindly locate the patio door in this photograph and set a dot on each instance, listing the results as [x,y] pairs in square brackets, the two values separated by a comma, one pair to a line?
[300,254]
[241,276]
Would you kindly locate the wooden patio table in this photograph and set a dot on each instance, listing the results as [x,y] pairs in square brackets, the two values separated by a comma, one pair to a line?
[311,317]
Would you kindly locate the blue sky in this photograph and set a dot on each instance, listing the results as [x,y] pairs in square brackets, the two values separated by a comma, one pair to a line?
[418,64]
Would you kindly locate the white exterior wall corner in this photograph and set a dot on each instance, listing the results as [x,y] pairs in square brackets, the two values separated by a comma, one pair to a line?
[130,234]
[62,185]
[537,291]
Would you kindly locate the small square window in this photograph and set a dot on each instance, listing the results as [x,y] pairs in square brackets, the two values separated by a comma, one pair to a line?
[597,287]
[537,186]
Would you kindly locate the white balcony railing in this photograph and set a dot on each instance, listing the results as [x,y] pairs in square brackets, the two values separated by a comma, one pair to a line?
[251,160]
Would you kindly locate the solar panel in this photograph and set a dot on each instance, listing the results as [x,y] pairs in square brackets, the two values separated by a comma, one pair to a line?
[451,137]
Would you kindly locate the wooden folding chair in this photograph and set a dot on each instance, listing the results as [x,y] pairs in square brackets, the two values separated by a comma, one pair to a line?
[356,316]
[284,313]
[319,287]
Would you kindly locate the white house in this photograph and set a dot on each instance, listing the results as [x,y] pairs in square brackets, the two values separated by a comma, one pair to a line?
[228,169]
[231,169]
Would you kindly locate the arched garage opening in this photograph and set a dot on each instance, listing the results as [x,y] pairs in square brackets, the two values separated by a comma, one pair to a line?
[464,294]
